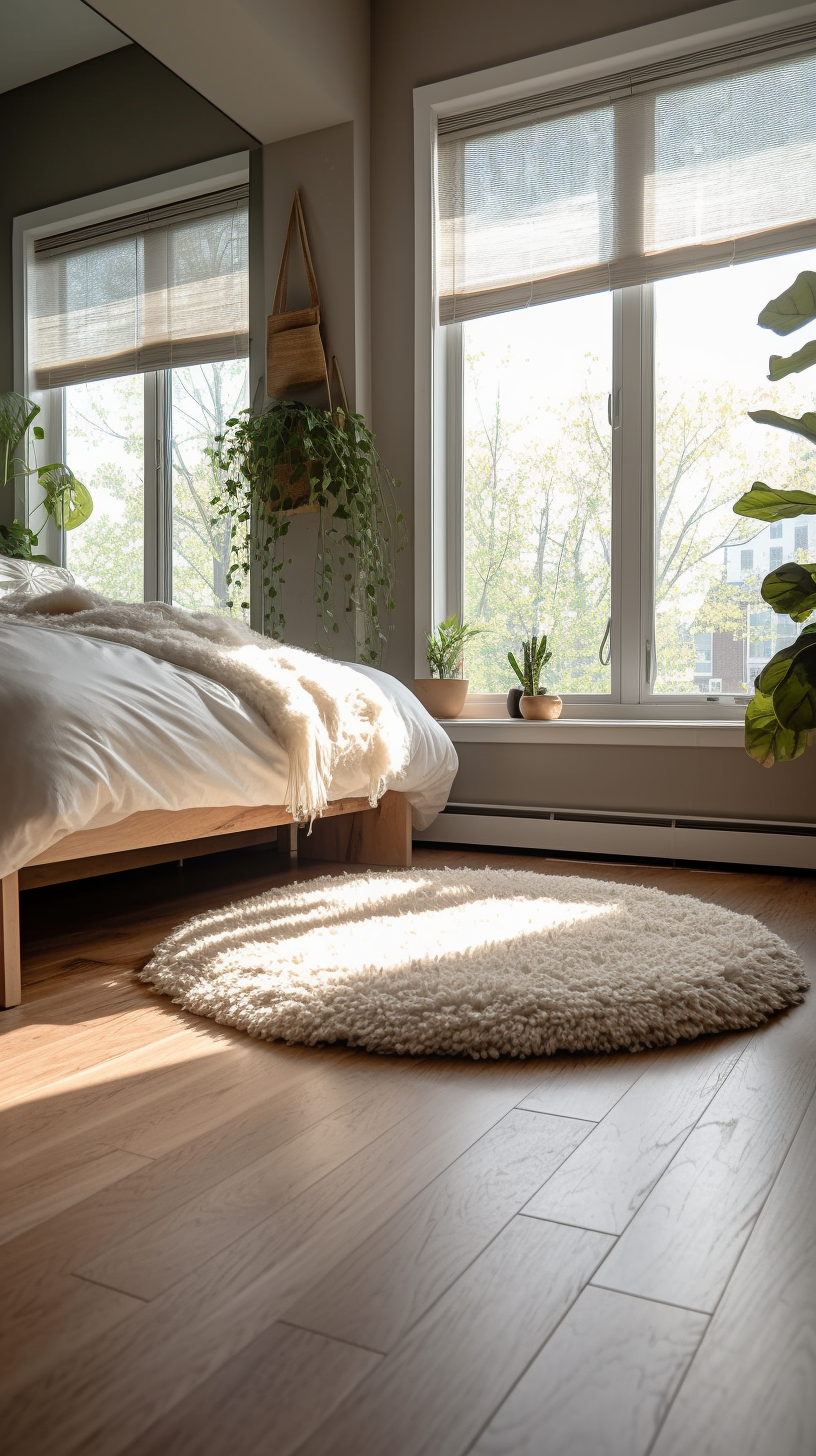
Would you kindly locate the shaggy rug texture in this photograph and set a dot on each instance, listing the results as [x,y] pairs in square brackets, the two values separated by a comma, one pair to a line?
[484,963]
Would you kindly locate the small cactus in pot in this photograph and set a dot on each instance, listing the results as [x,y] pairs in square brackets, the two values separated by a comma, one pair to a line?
[535,702]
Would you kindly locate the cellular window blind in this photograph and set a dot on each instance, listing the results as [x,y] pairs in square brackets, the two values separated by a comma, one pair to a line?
[151,290]
[696,163]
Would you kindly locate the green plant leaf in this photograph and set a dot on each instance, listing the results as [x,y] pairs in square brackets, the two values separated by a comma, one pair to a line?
[765,503]
[805,425]
[765,739]
[791,589]
[794,698]
[793,308]
[16,414]
[66,498]
[773,672]
[779,366]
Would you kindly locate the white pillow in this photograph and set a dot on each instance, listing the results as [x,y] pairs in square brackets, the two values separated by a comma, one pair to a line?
[32,578]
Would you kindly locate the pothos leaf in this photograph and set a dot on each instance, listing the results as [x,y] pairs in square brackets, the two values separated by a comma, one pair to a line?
[66,498]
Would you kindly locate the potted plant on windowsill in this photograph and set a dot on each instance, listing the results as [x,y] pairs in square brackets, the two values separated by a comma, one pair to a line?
[443,694]
[535,703]
[65,498]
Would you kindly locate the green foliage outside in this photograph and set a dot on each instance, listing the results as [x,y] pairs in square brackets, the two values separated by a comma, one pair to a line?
[105,424]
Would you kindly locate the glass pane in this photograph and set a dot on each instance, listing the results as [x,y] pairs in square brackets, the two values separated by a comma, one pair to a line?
[104,446]
[711,366]
[203,398]
[537,473]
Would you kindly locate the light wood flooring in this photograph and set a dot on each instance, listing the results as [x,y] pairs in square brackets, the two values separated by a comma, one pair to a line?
[211,1246]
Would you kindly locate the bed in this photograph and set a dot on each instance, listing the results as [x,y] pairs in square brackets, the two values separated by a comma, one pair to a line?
[112,758]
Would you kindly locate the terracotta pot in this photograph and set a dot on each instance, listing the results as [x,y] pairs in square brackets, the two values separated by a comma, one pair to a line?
[442,697]
[540,709]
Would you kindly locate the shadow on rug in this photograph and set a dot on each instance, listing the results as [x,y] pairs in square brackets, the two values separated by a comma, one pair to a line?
[477,962]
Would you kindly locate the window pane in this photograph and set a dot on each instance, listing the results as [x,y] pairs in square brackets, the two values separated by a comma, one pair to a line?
[204,397]
[104,446]
[711,366]
[537,480]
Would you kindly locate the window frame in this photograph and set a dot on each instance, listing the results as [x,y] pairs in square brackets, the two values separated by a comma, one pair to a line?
[439,545]
[170,187]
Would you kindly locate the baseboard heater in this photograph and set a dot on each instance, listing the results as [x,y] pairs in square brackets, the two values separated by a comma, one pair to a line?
[629,836]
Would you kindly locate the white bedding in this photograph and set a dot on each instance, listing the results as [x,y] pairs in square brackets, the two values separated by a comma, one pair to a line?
[93,731]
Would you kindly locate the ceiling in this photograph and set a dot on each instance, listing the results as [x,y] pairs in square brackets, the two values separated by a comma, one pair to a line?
[44,36]
[275,67]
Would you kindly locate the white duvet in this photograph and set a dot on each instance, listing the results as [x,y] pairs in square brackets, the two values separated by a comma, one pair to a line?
[92,731]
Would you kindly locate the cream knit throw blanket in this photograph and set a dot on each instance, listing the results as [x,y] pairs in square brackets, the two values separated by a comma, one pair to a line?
[324,716]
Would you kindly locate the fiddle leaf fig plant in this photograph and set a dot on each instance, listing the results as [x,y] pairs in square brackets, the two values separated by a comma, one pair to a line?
[289,457]
[780,721]
[65,498]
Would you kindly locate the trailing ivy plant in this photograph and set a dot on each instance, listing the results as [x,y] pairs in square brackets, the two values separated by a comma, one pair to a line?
[289,456]
[780,720]
[65,498]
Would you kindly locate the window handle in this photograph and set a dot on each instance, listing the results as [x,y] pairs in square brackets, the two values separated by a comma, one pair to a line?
[605,661]
[614,416]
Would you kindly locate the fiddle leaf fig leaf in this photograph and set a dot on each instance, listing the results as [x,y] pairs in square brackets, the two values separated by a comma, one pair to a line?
[794,698]
[805,425]
[773,672]
[793,308]
[765,503]
[765,739]
[779,366]
[791,589]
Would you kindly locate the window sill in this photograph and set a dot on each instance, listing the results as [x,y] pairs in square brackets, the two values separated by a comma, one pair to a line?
[621,733]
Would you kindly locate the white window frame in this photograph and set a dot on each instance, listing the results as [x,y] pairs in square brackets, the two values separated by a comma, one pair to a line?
[223,172]
[438,538]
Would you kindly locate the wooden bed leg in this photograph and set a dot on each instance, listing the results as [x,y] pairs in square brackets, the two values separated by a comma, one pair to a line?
[288,841]
[10,989]
[380,836]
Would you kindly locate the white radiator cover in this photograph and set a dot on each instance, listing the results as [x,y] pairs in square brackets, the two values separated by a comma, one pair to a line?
[637,836]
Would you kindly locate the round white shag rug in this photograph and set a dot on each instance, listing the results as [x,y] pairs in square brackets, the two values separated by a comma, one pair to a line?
[477,962]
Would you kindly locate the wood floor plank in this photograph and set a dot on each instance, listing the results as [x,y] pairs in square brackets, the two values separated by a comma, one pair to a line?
[441,1384]
[42,1186]
[685,1240]
[601,1384]
[104,1040]
[752,1385]
[587,1087]
[163,1251]
[268,1398]
[109,1390]
[611,1173]
[394,1276]
[47,1330]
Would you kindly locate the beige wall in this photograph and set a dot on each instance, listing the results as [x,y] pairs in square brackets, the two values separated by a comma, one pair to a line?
[413,45]
[721,782]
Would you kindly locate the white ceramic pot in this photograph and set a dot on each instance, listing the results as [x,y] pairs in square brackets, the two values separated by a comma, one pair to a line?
[442,697]
[543,708]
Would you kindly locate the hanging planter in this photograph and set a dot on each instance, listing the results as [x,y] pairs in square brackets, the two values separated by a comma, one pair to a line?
[290,458]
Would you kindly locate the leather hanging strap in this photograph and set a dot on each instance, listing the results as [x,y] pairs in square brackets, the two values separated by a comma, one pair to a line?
[295,224]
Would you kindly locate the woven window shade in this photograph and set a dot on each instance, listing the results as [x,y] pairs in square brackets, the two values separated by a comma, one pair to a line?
[647,177]
[152,290]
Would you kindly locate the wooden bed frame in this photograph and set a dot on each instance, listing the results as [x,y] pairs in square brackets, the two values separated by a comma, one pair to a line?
[349,831]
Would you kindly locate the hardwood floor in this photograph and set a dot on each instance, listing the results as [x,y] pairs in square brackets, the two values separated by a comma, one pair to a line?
[211,1246]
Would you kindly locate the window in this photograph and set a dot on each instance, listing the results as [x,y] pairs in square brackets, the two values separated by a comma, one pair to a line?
[600,264]
[800,539]
[138,340]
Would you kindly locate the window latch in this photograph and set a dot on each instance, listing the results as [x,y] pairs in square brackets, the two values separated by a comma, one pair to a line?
[605,660]
[613,415]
